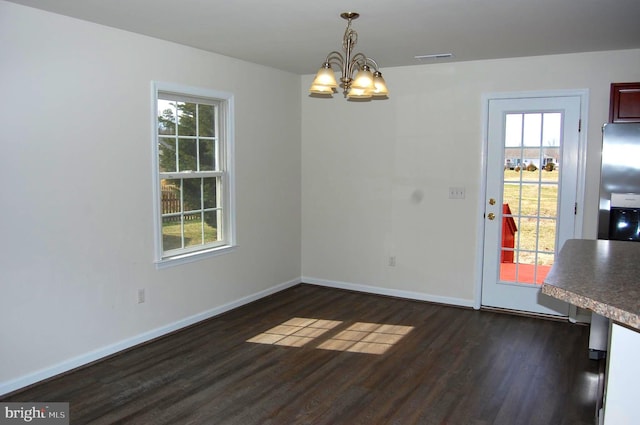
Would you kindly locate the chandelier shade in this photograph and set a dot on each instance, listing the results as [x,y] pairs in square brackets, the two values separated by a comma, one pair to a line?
[325,77]
[322,90]
[380,86]
[356,78]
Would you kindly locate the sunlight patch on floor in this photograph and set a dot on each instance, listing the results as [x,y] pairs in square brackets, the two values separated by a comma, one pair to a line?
[370,338]
[295,332]
[361,337]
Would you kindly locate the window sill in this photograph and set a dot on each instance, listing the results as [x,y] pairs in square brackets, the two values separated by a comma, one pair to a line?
[194,256]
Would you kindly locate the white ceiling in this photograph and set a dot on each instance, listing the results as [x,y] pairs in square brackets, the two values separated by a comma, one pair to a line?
[296,35]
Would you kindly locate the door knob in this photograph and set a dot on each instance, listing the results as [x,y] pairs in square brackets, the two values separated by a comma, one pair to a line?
[492,201]
[491,216]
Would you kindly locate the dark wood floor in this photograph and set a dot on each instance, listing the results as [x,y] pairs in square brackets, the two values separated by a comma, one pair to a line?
[442,365]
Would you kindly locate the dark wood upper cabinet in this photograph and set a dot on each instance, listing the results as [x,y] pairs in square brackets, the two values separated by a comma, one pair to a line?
[624,102]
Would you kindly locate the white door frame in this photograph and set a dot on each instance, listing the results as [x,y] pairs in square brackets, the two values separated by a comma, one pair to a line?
[583,94]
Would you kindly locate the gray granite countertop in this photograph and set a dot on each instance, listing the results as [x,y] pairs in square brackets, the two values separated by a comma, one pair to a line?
[600,275]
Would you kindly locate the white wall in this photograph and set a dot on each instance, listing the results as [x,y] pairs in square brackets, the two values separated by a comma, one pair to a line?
[76,146]
[376,175]
[76,193]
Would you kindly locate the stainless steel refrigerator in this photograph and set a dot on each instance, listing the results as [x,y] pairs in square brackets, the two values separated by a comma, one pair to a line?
[619,214]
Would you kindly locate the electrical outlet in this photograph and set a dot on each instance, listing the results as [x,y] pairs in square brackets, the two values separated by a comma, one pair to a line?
[456,193]
[392,261]
[141,296]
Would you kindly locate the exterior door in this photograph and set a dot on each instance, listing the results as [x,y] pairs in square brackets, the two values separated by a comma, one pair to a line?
[531,192]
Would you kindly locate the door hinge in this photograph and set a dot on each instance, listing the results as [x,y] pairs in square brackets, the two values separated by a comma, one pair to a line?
[575,209]
[579,125]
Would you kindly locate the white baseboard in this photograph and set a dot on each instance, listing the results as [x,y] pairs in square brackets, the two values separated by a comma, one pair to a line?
[420,296]
[81,360]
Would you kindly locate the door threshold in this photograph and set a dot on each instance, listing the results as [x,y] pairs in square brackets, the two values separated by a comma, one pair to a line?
[557,318]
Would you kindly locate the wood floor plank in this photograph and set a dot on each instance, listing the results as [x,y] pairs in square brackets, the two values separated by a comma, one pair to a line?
[437,365]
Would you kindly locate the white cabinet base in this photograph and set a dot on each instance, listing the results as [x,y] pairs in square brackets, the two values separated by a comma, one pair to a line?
[621,403]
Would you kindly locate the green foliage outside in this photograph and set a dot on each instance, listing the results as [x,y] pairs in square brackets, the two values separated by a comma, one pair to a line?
[193,234]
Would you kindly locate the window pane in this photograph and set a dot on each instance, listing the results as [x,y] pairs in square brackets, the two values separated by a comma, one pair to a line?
[187,151]
[549,200]
[547,241]
[211,226]
[531,164]
[551,129]
[511,196]
[529,199]
[513,130]
[167,154]
[170,196]
[192,229]
[528,233]
[166,117]
[206,121]
[532,130]
[171,233]
[186,119]
[551,134]
[207,155]
[210,193]
[191,194]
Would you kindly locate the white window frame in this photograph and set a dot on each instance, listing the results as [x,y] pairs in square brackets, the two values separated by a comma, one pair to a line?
[227,227]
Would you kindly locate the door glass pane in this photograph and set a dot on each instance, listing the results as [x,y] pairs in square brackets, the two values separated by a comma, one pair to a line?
[530,196]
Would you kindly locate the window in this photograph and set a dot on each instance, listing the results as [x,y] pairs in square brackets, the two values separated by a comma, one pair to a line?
[192,150]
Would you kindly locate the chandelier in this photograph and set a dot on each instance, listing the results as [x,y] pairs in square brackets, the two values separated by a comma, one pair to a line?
[364,84]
